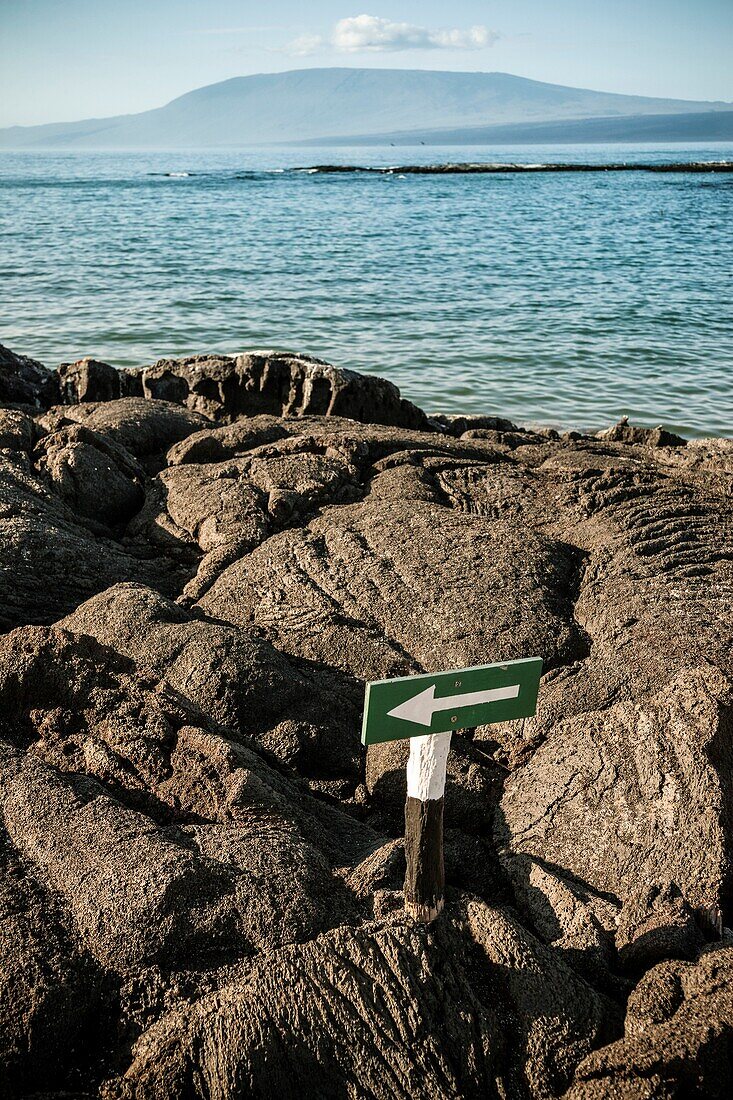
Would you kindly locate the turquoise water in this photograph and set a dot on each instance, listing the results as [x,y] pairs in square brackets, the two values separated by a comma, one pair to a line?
[552,299]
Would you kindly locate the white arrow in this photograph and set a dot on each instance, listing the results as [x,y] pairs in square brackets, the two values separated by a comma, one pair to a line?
[421,708]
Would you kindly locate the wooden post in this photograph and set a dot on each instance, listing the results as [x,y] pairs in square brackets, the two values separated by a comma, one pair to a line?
[710,920]
[425,878]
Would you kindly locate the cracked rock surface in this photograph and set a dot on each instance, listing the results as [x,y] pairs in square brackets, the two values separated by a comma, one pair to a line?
[201,563]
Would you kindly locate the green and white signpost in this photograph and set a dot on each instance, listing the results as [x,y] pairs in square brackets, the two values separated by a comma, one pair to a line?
[427,709]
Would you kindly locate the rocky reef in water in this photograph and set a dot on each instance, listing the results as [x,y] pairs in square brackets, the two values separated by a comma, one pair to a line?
[201,562]
[493,168]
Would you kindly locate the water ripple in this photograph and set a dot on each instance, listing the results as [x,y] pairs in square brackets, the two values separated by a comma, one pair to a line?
[562,299]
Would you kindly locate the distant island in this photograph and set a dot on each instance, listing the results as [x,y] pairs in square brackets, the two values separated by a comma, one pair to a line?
[344,106]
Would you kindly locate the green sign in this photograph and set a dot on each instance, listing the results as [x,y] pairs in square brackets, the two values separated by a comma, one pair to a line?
[412,706]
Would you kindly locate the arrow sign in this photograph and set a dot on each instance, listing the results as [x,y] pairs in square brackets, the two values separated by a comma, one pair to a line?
[412,706]
[422,707]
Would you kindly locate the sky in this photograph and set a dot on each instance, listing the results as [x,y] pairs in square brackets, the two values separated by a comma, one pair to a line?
[62,60]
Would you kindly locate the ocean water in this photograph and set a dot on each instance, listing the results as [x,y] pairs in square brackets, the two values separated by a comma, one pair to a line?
[562,300]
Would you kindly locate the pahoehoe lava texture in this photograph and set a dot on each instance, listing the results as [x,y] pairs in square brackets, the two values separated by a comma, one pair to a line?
[201,562]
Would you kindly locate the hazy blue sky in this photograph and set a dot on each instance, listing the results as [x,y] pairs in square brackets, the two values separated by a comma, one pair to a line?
[69,59]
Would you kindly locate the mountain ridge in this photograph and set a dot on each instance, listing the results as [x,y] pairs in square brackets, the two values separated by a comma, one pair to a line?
[332,104]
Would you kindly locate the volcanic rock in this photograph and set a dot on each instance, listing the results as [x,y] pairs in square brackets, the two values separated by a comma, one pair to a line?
[18,432]
[304,715]
[229,441]
[602,799]
[143,427]
[272,486]
[51,994]
[200,867]
[215,838]
[339,596]
[623,432]
[458,425]
[89,380]
[280,384]
[375,442]
[94,475]
[679,1023]
[51,557]
[24,381]
[268,1024]
[659,924]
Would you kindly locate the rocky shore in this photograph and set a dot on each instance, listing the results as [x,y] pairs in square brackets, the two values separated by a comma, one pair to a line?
[201,563]
[484,168]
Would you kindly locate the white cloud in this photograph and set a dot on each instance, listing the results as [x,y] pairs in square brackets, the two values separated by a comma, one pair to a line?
[370,34]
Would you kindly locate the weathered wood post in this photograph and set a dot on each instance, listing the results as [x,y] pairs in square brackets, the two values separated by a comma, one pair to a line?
[427,709]
[425,878]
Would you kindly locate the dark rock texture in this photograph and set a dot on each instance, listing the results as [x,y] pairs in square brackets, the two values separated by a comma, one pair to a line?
[623,432]
[678,1037]
[224,388]
[51,992]
[657,924]
[643,771]
[436,1028]
[143,427]
[458,425]
[18,431]
[491,168]
[52,556]
[201,868]
[24,381]
[90,380]
[92,473]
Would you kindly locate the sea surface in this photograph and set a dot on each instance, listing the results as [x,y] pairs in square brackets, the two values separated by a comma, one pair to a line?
[561,300]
